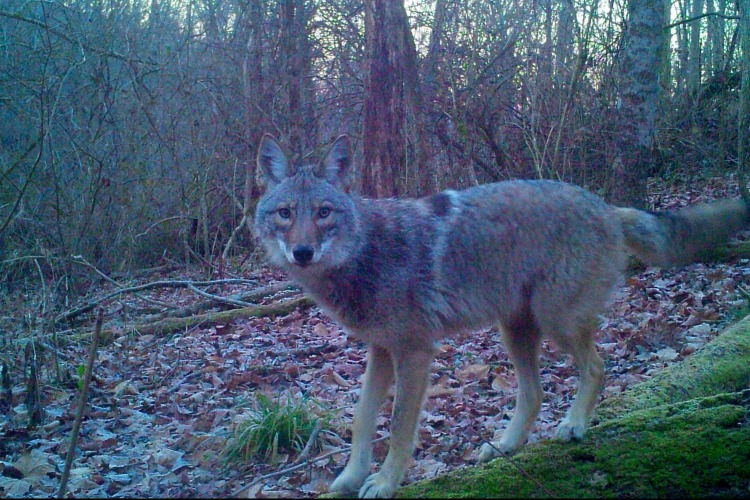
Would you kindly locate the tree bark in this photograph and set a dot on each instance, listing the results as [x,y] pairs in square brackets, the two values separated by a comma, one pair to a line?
[638,100]
[296,54]
[394,144]
[743,121]
[694,58]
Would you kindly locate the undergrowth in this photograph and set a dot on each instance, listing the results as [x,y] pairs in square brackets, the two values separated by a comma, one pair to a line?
[276,426]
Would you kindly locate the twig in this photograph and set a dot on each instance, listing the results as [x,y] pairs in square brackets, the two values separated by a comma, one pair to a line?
[280,290]
[78,259]
[520,469]
[300,466]
[217,298]
[246,214]
[72,313]
[306,450]
[699,17]
[74,40]
[149,228]
[81,405]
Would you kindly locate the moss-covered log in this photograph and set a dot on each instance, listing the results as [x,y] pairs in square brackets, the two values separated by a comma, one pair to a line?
[722,365]
[697,448]
[730,252]
[683,433]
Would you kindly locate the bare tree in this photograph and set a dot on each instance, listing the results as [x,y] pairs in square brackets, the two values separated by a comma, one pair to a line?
[129,127]
[393,141]
[639,97]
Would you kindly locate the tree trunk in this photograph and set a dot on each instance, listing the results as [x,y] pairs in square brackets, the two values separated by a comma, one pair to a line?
[666,68]
[682,49]
[296,54]
[694,58]
[638,101]
[254,84]
[565,40]
[743,125]
[394,144]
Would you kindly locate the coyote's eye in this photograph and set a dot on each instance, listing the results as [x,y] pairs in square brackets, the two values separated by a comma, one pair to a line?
[324,212]
[285,213]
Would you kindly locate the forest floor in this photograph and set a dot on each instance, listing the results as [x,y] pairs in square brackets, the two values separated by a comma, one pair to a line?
[163,407]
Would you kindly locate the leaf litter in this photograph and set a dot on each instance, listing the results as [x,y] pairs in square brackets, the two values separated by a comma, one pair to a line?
[162,408]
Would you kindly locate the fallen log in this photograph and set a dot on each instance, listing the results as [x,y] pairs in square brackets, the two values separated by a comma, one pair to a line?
[255,295]
[171,325]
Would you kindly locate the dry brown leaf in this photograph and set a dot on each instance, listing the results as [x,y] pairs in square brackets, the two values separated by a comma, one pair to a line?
[472,373]
[436,391]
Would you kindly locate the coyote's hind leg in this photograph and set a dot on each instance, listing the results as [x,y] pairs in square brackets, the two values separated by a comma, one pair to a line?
[591,367]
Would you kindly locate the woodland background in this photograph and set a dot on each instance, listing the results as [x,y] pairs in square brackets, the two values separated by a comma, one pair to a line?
[127,177]
[130,126]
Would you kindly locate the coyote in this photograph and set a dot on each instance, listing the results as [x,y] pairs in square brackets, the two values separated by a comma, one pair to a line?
[537,258]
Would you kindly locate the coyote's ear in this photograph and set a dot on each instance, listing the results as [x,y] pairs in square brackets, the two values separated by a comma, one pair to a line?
[337,166]
[273,166]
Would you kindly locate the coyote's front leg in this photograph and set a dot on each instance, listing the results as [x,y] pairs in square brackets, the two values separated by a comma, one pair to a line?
[412,371]
[378,378]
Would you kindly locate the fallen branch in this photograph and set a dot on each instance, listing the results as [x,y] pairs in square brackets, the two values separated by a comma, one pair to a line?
[172,325]
[306,450]
[725,253]
[72,313]
[282,290]
[218,298]
[730,252]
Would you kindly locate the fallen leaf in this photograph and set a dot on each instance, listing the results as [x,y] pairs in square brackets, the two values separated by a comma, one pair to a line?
[14,487]
[34,466]
[472,373]
[667,354]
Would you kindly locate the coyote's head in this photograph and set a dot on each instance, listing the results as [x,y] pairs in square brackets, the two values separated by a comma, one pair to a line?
[306,219]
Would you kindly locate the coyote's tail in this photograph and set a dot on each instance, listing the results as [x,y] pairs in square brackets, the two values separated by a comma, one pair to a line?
[680,236]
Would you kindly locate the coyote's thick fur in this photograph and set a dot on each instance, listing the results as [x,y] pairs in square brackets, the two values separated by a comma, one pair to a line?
[539,259]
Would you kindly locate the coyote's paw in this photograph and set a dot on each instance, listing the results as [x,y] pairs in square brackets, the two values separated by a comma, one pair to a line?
[348,481]
[569,431]
[379,485]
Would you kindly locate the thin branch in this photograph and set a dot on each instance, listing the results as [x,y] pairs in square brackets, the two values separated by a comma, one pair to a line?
[522,471]
[81,405]
[698,18]
[149,228]
[46,27]
[306,450]
[302,465]
[72,313]
[29,177]
[78,259]
[280,290]
[217,298]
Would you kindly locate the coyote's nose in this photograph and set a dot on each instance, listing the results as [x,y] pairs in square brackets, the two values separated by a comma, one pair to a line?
[303,254]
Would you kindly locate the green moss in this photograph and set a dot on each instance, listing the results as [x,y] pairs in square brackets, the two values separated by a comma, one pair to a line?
[684,433]
[722,365]
[699,447]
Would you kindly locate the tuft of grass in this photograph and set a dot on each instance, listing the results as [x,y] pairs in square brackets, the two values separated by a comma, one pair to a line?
[274,426]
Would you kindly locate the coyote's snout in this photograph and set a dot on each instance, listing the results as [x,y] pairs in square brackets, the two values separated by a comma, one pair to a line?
[303,254]
[539,259]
